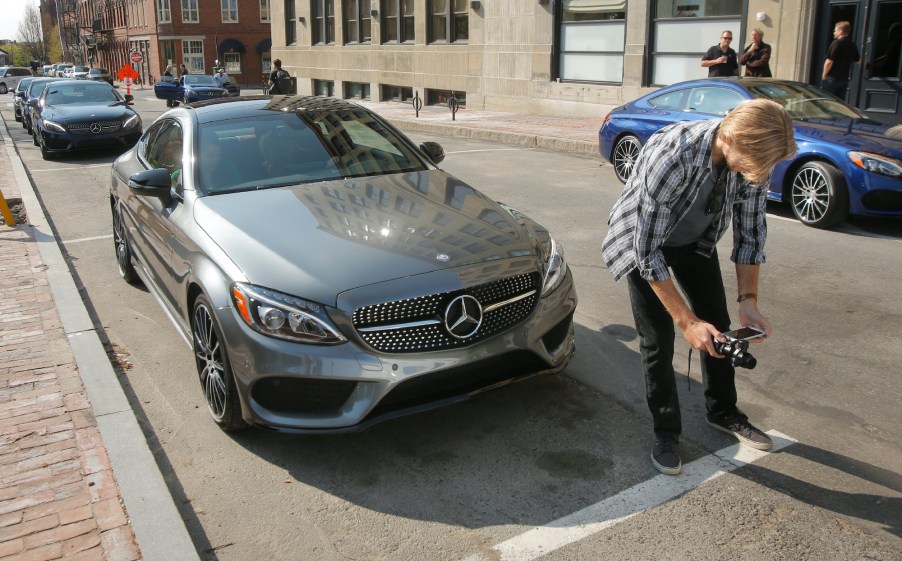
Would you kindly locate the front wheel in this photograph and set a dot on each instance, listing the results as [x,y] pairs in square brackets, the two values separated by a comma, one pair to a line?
[211,358]
[626,152]
[3,89]
[123,251]
[819,196]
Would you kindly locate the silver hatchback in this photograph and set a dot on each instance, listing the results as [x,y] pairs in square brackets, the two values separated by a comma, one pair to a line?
[325,272]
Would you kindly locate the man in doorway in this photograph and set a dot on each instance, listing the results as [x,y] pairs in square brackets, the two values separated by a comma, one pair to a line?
[691,182]
[756,57]
[840,56]
[721,60]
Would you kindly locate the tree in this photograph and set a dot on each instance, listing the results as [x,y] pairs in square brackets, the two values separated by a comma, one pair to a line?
[30,34]
[54,48]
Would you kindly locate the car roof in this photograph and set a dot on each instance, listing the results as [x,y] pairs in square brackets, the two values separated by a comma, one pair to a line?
[246,107]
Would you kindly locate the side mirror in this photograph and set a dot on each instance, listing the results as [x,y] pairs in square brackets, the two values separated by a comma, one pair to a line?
[151,183]
[434,150]
[129,98]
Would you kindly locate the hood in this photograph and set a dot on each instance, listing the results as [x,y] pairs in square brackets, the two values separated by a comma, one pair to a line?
[84,112]
[317,240]
[203,88]
[854,134]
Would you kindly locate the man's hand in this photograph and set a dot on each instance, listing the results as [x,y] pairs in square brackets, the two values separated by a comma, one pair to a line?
[749,315]
[753,47]
[700,336]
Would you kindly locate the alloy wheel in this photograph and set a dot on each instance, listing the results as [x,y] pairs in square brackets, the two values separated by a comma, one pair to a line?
[208,352]
[626,152]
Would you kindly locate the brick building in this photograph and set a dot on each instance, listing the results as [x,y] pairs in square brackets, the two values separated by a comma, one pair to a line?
[194,32]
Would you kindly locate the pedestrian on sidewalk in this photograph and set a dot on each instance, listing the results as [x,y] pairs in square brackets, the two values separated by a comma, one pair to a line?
[838,64]
[756,57]
[720,60]
[690,182]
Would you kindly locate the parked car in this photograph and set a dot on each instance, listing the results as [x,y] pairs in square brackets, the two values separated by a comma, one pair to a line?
[45,70]
[80,72]
[59,69]
[67,72]
[100,75]
[327,274]
[19,97]
[84,115]
[30,101]
[846,163]
[188,89]
[10,76]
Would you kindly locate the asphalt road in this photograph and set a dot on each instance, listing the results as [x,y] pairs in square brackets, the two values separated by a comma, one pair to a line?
[474,481]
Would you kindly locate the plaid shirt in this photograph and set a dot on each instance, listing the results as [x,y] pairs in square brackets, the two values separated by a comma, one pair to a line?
[671,167]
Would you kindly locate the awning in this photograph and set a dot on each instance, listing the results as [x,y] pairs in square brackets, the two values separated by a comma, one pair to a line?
[264,46]
[231,45]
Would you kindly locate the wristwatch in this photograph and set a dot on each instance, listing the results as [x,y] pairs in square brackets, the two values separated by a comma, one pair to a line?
[746,296]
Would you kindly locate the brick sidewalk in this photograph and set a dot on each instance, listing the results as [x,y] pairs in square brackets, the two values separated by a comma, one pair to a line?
[58,496]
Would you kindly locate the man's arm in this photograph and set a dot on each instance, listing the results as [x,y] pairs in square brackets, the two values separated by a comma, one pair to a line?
[828,64]
[747,284]
[698,333]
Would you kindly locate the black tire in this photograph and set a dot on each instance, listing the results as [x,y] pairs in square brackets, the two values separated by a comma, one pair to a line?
[46,154]
[34,137]
[819,196]
[213,368]
[3,89]
[123,249]
[624,156]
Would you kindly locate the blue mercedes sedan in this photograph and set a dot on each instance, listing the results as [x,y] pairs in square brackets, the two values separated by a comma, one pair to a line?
[188,89]
[846,164]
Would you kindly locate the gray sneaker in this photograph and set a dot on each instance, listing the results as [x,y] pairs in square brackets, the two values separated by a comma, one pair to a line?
[665,454]
[739,426]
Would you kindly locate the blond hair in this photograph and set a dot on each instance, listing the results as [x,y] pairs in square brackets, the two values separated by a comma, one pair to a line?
[761,134]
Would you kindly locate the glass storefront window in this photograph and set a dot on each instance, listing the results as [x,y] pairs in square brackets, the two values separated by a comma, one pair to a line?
[698,8]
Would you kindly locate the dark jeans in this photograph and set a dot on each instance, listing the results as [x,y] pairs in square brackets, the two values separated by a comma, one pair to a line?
[700,279]
[836,87]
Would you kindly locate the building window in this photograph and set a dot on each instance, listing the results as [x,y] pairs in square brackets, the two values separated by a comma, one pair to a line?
[323,15]
[264,11]
[397,21]
[357,22]
[266,65]
[592,39]
[396,93]
[441,97]
[291,36]
[229,9]
[447,26]
[682,32]
[189,11]
[232,63]
[169,54]
[324,87]
[356,90]
[193,56]
[164,11]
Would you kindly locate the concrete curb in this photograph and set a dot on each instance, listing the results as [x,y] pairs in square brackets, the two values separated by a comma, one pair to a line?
[518,139]
[159,529]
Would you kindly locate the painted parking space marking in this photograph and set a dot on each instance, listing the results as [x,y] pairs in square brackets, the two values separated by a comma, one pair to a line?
[69,169]
[90,239]
[593,519]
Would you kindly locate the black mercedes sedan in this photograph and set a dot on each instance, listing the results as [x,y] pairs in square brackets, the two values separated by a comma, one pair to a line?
[77,115]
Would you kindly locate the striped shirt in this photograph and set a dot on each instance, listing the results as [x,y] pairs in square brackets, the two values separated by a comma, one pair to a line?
[670,169]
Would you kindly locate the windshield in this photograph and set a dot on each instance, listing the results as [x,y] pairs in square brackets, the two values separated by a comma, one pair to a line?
[200,80]
[80,69]
[63,94]
[806,103]
[299,147]
[95,71]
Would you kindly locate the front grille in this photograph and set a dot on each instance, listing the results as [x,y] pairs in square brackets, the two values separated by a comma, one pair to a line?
[883,201]
[418,324]
[302,395]
[106,127]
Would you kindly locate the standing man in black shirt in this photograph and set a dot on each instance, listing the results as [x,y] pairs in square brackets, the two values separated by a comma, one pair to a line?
[840,56]
[756,57]
[720,60]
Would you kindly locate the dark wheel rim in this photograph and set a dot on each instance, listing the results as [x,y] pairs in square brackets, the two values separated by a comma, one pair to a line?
[811,195]
[625,155]
[122,256]
[208,352]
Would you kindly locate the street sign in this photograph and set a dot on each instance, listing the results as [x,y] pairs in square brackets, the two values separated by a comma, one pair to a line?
[127,72]
[136,57]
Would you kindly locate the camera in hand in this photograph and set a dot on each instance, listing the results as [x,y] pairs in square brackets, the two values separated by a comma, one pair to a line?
[737,351]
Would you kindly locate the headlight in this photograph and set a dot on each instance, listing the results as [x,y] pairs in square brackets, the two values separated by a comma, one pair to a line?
[132,121]
[555,266]
[884,165]
[282,316]
[53,126]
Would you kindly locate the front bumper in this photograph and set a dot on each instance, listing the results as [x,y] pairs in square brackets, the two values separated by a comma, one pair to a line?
[58,142]
[308,389]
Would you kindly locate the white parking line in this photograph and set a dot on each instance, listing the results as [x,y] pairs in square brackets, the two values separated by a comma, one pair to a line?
[628,503]
[486,150]
[91,239]
[69,168]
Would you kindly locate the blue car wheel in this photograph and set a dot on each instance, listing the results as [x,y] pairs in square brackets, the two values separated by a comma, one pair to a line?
[626,152]
[818,195]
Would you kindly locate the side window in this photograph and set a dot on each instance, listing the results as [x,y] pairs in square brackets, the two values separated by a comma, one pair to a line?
[164,149]
[713,100]
[671,101]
